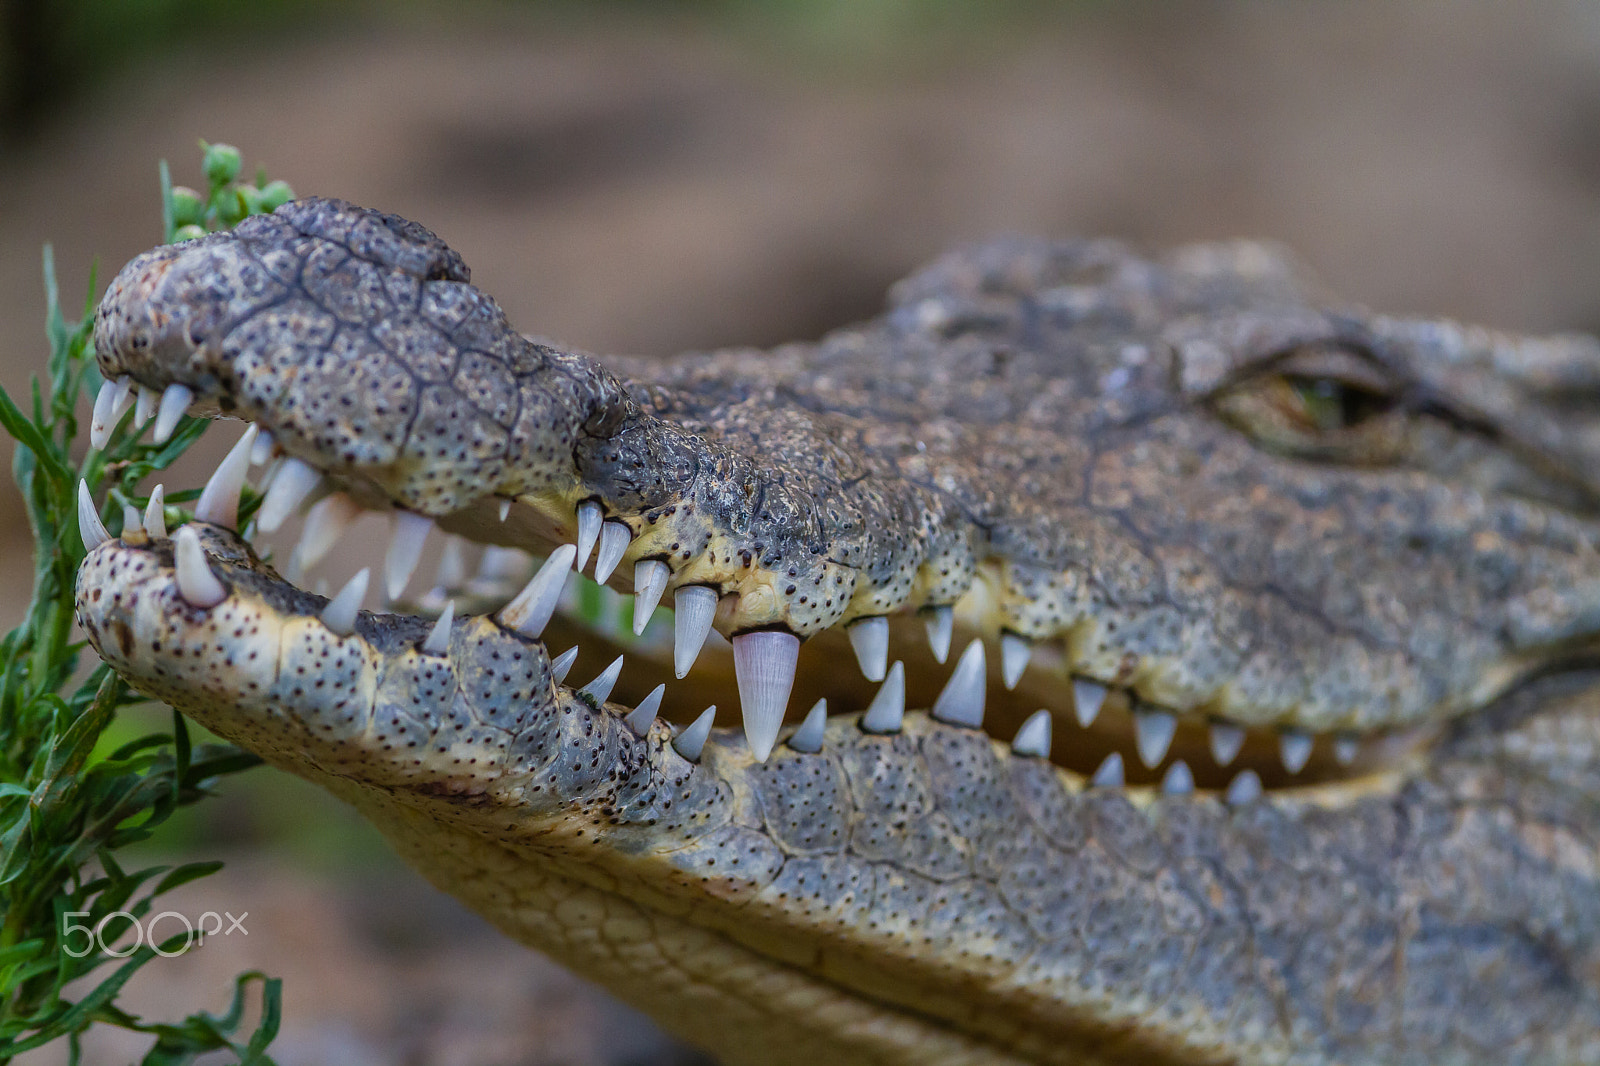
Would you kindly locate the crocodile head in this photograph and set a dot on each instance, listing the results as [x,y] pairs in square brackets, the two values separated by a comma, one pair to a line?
[1290,751]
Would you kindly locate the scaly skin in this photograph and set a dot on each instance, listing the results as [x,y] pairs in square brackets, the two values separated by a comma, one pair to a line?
[1192,480]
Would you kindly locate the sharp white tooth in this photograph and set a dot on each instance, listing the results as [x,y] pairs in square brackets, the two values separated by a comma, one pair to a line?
[887,712]
[144,406]
[1244,788]
[693,608]
[692,741]
[764,665]
[640,717]
[175,399]
[130,520]
[1087,699]
[614,540]
[263,449]
[530,612]
[1295,748]
[1014,654]
[1033,739]
[941,623]
[1178,780]
[1226,740]
[451,572]
[1109,775]
[503,564]
[155,513]
[405,549]
[600,688]
[219,500]
[121,398]
[1345,749]
[340,613]
[961,702]
[589,518]
[505,510]
[649,582]
[197,585]
[808,738]
[1153,734]
[90,528]
[325,523]
[561,665]
[100,419]
[438,641]
[293,482]
[870,639]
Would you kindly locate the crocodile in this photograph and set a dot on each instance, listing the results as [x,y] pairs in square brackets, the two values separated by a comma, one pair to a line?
[1275,732]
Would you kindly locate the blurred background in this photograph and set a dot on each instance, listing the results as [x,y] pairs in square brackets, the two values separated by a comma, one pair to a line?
[652,177]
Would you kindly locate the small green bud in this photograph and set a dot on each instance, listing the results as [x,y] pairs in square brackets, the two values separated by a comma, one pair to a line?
[221,163]
[188,232]
[187,206]
[275,194]
[230,208]
[249,200]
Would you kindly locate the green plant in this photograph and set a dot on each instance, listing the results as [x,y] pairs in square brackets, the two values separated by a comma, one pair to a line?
[66,808]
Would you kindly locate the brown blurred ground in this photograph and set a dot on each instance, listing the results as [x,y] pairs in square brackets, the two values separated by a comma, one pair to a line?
[648,185]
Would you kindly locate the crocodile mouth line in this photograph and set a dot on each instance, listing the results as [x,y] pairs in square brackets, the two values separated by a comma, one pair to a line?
[951,659]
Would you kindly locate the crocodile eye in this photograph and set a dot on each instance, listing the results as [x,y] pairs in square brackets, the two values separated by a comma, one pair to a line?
[1326,405]
[1322,404]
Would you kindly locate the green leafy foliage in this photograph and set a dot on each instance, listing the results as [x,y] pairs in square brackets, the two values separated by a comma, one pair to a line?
[71,935]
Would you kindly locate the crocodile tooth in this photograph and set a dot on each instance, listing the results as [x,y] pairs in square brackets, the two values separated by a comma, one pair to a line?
[219,500]
[1226,740]
[600,688]
[197,585]
[693,608]
[438,641]
[690,742]
[503,564]
[561,665]
[1033,739]
[1087,699]
[325,523]
[144,406]
[100,418]
[340,613]
[530,612]
[614,540]
[640,717]
[1178,780]
[1109,775]
[175,399]
[451,573]
[1244,788]
[870,639]
[130,520]
[155,513]
[1295,749]
[764,664]
[505,510]
[649,582]
[961,701]
[405,549]
[589,517]
[1015,652]
[887,711]
[293,482]
[808,738]
[90,528]
[941,623]
[1154,730]
[263,449]
[1345,748]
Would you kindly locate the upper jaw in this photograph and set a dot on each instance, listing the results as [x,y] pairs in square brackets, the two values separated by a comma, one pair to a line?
[375,370]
